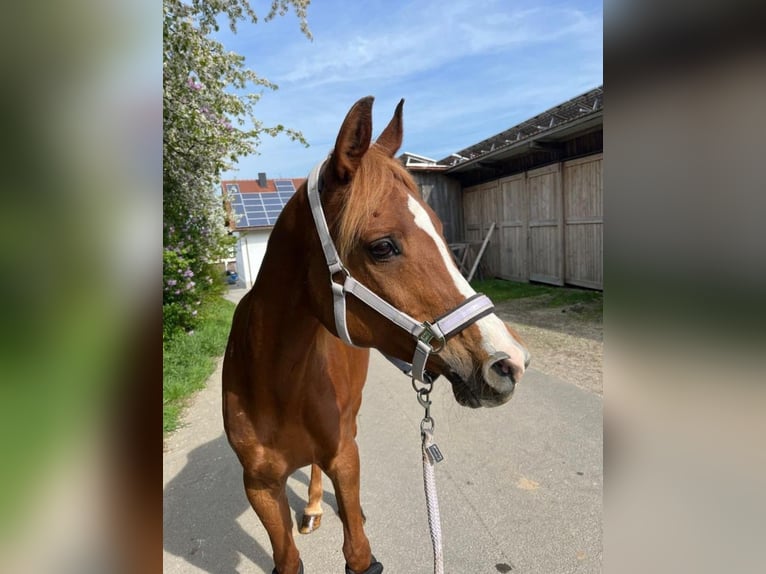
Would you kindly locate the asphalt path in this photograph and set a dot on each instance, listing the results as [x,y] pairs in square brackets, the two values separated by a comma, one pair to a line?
[520,486]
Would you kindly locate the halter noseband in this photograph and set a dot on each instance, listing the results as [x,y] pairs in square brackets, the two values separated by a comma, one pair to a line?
[429,337]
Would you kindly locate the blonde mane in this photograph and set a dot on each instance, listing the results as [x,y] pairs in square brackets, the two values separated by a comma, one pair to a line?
[373,181]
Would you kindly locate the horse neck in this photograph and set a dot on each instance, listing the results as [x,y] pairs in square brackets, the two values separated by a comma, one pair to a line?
[281,300]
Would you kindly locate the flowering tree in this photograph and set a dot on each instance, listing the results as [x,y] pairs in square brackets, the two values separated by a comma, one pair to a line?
[208,123]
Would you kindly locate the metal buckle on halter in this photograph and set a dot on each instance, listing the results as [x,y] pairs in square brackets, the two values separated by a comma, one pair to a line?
[429,334]
[338,267]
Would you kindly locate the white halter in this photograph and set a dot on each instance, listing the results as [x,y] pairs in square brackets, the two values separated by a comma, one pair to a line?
[429,337]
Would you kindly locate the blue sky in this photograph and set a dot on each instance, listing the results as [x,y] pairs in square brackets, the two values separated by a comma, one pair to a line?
[467,71]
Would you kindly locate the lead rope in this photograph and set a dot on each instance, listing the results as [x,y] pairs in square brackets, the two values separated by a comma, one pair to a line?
[431,455]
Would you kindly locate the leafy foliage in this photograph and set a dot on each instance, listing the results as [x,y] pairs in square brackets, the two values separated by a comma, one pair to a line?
[208,122]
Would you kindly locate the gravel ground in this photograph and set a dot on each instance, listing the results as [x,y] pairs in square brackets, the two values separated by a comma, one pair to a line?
[567,342]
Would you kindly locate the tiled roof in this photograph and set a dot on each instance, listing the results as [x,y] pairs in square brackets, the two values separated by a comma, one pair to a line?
[252,186]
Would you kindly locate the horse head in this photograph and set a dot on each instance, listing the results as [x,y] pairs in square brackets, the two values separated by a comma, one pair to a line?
[390,241]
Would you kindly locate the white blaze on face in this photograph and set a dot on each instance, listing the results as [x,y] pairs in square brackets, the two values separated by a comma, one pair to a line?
[495,336]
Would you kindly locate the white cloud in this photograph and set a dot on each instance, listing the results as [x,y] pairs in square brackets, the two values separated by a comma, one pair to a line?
[467,71]
[435,39]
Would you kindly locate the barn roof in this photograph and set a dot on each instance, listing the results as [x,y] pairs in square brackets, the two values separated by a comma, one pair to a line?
[579,113]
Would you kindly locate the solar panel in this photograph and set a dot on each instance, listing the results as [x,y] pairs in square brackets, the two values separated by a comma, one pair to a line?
[260,209]
[284,185]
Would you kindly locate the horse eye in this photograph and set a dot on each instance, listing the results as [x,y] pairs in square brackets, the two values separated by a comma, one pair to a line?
[383,249]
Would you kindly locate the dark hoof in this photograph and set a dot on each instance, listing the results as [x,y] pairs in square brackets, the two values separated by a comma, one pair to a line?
[375,568]
[309,523]
[300,568]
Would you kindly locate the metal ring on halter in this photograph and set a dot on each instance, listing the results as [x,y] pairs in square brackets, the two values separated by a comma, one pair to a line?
[427,421]
[424,389]
[336,268]
[429,334]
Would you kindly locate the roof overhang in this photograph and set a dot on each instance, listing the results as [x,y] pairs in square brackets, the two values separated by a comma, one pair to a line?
[545,140]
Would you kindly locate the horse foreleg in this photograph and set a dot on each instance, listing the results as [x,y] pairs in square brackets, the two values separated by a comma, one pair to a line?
[312,513]
[269,500]
[344,473]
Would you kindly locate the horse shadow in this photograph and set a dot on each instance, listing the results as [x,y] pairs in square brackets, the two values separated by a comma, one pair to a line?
[201,506]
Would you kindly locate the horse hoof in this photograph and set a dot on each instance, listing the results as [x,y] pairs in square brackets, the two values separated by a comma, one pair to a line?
[309,523]
[375,568]
[300,568]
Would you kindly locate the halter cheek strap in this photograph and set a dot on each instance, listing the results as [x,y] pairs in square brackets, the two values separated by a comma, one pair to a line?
[429,337]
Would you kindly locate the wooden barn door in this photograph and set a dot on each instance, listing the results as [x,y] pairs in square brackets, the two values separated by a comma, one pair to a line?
[482,205]
[492,209]
[545,247]
[583,222]
[511,232]
[472,213]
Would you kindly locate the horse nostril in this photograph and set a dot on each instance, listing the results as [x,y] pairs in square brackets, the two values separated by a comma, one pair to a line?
[527,358]
[503,367]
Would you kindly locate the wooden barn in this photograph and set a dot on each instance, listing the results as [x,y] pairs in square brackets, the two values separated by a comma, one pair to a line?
[537,185]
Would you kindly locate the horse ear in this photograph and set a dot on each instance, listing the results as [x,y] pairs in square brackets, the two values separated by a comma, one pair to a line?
[353,140]
[391,138]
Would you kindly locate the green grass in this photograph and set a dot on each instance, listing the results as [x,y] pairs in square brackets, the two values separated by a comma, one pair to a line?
[189,359]
[501,290]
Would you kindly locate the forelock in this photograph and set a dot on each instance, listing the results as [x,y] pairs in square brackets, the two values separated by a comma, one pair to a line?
[373,181]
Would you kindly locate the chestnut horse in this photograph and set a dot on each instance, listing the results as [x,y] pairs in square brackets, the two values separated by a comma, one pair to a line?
[297,355]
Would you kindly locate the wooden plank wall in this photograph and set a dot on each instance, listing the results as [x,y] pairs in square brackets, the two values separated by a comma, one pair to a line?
[584,221]
[473,211]
[549,223]
[513,228]
[477,210]
[546,261]
[444,196]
